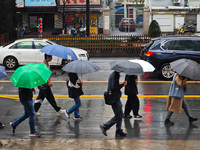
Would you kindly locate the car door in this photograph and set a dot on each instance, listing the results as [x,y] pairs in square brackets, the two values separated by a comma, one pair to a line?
[25,52]
[39,56]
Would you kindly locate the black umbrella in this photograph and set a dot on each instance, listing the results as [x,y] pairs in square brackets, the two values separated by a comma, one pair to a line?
[127,67]
[187,68]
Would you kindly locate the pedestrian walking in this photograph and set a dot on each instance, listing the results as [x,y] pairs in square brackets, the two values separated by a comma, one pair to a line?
[25,96]
[176,99]
[45,92]
[132,102]
[114,86]
[74,90]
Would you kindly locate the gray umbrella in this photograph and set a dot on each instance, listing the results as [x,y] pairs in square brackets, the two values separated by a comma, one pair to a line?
[81,66]
[127,67]
[187,68]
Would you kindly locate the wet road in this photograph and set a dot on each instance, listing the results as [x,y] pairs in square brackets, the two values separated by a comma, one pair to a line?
[146,133]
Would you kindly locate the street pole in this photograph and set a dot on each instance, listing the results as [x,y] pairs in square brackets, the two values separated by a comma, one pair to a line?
[88,17]
[64,23]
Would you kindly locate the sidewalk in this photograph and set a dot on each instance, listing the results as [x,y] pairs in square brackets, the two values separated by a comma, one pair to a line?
[62,133]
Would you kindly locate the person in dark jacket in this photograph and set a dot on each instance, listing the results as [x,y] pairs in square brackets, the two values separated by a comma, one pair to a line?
[114,87]
[45,92]
[74,90]
[25,96]
[132,102]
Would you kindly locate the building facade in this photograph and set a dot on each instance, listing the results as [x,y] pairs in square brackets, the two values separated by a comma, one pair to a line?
[171,13]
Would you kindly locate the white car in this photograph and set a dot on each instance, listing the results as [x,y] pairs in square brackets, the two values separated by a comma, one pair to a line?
[26,51]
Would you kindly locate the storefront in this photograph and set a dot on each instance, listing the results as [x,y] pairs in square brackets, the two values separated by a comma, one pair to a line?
[75,14]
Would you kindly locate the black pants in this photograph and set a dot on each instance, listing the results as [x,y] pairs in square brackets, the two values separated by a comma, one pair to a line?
[132,103]
[49,96]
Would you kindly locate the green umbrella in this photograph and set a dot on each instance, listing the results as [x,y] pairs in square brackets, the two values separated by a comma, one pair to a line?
[30,75]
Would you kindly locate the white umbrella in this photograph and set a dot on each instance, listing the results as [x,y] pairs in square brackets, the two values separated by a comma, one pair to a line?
[147,67]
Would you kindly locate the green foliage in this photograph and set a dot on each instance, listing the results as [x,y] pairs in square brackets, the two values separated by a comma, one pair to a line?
[154,29]
[8,16]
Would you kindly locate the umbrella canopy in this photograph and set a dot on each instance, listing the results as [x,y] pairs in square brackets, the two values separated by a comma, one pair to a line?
[147,67]
[125,66]
[187,68]
[81,66]
[3,73]
[59,51]
[30,75]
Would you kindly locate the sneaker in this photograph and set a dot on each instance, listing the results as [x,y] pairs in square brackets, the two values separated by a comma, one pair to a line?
[1,126]
[103,130]
[34,134]
[66,114]
[37,114]
[120,133]
[127,116]
[169,122]
[78,118]
[60,112]
[137,116]
[12,128]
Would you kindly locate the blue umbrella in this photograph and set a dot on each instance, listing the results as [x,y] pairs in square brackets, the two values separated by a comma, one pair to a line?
[3,73]
[59,51]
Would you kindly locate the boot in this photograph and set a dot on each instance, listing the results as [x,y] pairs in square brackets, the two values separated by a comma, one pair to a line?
[168,122]
[191,119]
[119,133]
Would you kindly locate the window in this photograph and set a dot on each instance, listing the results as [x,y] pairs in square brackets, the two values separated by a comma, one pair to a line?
[187,45]
[167,45]
[198,45]
[40,45]
[22,45]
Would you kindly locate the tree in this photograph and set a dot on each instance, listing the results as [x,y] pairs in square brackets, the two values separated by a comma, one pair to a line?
[8,16]
[154,29]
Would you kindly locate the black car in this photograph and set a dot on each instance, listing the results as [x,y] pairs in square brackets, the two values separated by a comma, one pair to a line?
[161,51]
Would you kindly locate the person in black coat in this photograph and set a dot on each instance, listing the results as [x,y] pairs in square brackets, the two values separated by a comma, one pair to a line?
[114,87]
[74,90]
[132,102]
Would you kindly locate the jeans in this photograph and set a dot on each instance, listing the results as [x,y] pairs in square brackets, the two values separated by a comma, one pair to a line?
[29,112]
[75,107]
[117,119]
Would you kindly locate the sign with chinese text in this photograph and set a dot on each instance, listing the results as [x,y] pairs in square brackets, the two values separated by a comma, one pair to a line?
[19,3]
[40,3]
[80,2]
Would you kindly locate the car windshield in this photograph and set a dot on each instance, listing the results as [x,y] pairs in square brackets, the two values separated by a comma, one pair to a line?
[51,42]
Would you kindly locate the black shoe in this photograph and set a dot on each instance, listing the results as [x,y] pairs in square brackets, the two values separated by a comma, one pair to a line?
[137,116]
[191,119]
[127,116]
[168,122]
[120,133]
[103,130]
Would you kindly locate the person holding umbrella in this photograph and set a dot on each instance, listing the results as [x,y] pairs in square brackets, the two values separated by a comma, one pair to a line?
[74,90]
[132,102]
[176,99]
[45,92]
[114,86]
[3,74]
[26,78]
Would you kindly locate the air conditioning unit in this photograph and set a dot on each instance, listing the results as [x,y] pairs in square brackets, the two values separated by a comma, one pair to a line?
[177,1]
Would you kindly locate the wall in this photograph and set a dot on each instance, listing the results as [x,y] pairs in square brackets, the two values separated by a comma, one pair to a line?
[146,16]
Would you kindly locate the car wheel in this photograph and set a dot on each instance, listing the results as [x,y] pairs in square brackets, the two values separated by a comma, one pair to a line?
[10,62]
[166,72]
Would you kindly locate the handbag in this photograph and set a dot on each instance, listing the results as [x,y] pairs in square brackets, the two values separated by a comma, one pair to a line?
[43,86]
[175,90]
[109,97]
